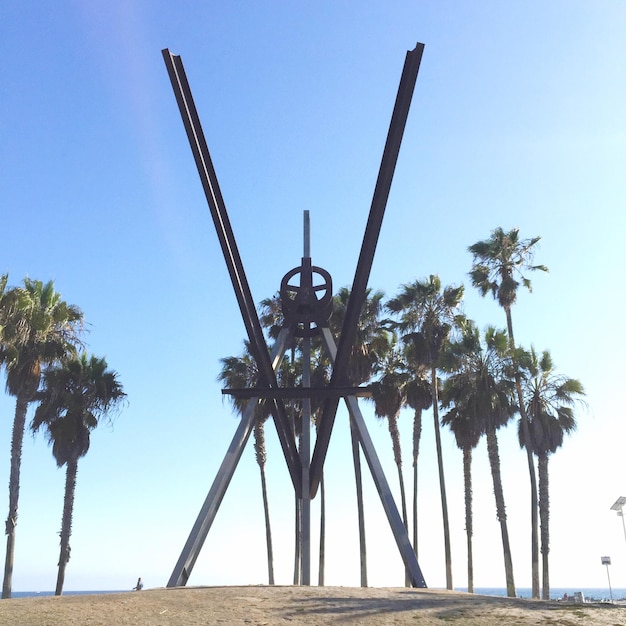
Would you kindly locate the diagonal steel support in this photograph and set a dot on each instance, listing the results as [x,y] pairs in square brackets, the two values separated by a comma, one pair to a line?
[267,384]
[258,347]
[209,509]
[366,257]
[382,486]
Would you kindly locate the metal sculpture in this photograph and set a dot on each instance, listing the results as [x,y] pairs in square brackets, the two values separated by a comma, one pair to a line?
[305,315]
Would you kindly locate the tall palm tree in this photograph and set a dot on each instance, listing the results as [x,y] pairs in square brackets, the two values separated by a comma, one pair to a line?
[5,306]
[238,373]
[372,341]
[549,399]
[480,393]
[371,346]
[497,267]
[419,398]
[467,436]
[76,396]
[427,314]
[41,329]
[389,396]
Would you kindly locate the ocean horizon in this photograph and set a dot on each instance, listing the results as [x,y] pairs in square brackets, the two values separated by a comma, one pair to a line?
[599,594]
[602,594]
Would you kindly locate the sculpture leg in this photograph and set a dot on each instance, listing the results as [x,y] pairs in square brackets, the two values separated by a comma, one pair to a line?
[382,486]
[209,509]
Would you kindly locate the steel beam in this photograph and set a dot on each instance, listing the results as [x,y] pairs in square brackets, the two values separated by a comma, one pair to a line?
[211,505]
[306,283]
[298,392]
[213,194]
[366,257]
[382,486]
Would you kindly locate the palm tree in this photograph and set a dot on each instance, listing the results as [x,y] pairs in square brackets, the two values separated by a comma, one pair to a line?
[467,437]
[549,399]
[498,263]
[39,330]
[419,398]
[427,316]
[238,373]
[5,307]
[371,345]
[75,397]
[372,341]
[389,396]
[480,393]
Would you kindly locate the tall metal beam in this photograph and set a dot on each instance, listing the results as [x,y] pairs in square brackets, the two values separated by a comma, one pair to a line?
[382,486]
[306,282]
[366,257]
[258,347]
[204,521]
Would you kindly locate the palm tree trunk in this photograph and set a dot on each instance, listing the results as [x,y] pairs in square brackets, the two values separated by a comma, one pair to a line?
[534,505]
[19,423]
[469,525]
[417,434]
[298,546]
[268,528]
[442,480]
[297,556]
[261,456]
[66,522]
[392,422]
[359,501]
[544,513]
[322,561]
[494,462]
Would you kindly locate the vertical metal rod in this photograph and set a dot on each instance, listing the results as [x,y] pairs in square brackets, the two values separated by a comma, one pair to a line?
[620,512]
[609,579]
[307,236]
[226,237]
[305,452]
[366,257]
[305,440]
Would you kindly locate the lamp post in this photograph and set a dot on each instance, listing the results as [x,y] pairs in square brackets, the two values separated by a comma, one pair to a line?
[606,560]
[619,507]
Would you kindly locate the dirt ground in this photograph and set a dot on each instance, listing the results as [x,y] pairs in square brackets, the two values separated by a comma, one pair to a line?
[326,606]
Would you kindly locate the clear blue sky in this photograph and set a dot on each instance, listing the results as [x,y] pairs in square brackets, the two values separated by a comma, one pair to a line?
[517,120]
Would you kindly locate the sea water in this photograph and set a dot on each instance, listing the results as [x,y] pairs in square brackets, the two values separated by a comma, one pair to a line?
[34,594]
[599,594]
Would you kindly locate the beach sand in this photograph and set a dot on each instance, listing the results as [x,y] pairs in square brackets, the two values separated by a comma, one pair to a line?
[262,605]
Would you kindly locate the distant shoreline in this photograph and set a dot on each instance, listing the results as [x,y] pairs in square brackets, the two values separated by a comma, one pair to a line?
[556,593]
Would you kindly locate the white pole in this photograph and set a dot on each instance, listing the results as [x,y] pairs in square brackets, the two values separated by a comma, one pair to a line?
[609,577]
